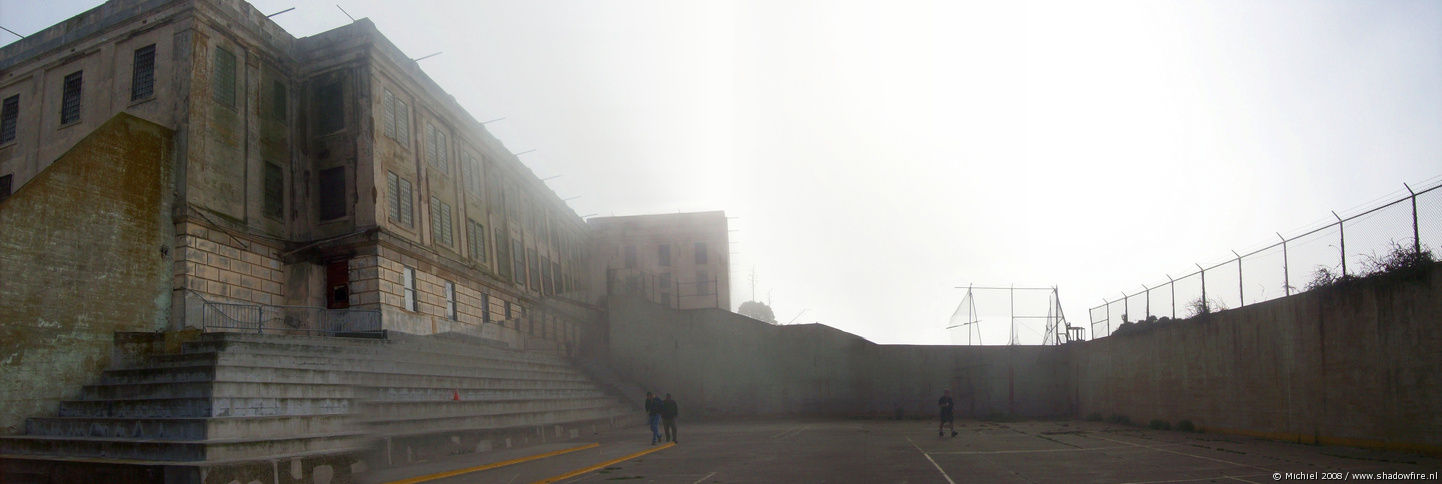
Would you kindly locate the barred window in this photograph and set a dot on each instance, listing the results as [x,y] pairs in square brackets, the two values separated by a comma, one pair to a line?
[274,191]
[502,254]
[436,148]
[70,97]
[450,300]
[441,222]
[518,261]
[142,73]
[485,308]
[9,118]
[388,113]
[408,288]
[403,123]
[476,237]
[329,113]
[398,196]
[277,101]
[471,173]
[5,186]
[332,193]
[223,86]
[535,269]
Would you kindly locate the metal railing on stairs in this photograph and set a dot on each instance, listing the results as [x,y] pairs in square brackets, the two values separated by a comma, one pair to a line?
[276,319]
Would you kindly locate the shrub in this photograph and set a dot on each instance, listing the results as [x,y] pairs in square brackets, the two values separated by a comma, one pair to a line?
[1186,426]
[1398,258]
[1159,424]
[1202,307]
[1323,277]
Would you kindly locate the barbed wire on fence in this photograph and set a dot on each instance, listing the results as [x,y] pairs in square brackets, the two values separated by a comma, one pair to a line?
[1339,249]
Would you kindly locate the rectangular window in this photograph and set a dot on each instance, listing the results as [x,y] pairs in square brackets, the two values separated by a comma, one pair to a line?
[388,113]
[223,86]
[5,186]
[436,148]
[332,193]
[546,276]
[630,257]
[503,255]
[535,270]
[664,254]
[277,101]
[485,308]
[471,175]
[398,199]
[408,288]
[556,274]
[9,118]
[518,261]
[441,223]
[274,191]
[329,114]
[700,253]
[70,97]
[142,73]
[403,123]
[451,300]
[476,237]
[508,311]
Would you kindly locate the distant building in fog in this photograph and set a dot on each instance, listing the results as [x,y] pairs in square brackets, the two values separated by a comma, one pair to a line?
[680,260]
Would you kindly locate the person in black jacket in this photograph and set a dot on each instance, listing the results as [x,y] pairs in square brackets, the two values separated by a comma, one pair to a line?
[653,416]
[669,411]
[945,403]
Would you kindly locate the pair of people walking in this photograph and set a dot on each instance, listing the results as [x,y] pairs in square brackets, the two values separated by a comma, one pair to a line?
[662,412]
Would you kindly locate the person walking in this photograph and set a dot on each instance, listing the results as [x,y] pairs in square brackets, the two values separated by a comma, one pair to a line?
[669,411]
[946,405]
[653,416]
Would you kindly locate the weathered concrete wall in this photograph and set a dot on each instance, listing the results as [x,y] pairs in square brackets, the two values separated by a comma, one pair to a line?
[1355,365]
[721,363]
[86,249]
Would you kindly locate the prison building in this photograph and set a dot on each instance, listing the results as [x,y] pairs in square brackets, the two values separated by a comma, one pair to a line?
[327,172]
[679,260]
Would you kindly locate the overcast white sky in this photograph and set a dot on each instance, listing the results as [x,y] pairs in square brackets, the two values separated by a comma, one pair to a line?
[873,155]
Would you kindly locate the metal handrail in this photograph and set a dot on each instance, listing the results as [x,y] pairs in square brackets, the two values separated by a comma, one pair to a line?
[260,318]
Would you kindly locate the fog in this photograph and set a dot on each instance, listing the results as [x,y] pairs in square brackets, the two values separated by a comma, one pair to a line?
[874,156]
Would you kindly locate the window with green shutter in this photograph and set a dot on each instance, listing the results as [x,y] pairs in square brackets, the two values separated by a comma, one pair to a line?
[222,87]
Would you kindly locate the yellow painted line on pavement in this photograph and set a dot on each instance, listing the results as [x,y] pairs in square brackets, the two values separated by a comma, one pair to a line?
[578,472]
[494,465]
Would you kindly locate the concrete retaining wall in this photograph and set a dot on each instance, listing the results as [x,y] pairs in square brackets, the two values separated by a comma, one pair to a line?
[1357,364]
[719,363]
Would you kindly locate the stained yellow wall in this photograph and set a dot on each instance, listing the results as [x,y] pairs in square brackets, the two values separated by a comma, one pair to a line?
[85,251]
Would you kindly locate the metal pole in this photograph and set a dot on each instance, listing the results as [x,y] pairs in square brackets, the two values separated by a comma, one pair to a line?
[1241,290]
[1148,290]
[1108,305]
[1126,306]
[1011,312]
[1205,304]
[1286,271]
[1173,284]
[1416,236]
[1342,239]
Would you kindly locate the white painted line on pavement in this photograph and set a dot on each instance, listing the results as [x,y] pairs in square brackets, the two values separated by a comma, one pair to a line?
[933,462]
[703,479]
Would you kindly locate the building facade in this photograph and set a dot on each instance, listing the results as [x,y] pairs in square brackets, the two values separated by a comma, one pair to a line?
[679,260]
[320,172]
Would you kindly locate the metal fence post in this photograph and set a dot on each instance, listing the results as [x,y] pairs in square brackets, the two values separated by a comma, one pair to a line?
[1148,290]
[1126,306]
[1286,272]
[1416,235]
[1206,305]
[1241,289]
[1109,315]
[1342,239]
[1172,283]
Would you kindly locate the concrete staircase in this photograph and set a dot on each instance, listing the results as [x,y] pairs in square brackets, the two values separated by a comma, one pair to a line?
[240,406]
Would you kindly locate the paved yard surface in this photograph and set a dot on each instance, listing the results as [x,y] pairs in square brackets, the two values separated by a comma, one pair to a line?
[773,451]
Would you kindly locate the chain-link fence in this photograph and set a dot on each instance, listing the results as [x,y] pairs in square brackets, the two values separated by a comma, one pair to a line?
[1348,246]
